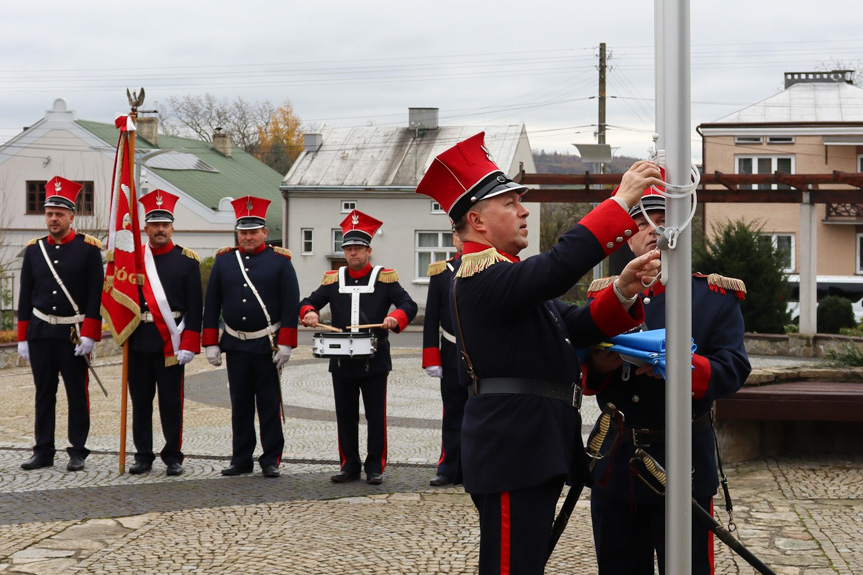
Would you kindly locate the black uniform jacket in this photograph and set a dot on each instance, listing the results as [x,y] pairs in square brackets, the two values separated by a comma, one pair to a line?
[374,307]
[78,261]
[230,296]
[513,327]
[180,274]
[720,369]
[437,315]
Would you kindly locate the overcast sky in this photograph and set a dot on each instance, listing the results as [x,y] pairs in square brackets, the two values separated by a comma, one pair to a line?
[351,63]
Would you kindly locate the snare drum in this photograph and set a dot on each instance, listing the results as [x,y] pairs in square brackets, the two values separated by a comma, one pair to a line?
[349,344]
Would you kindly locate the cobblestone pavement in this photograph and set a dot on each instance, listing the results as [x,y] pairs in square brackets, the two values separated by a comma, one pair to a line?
[799,516]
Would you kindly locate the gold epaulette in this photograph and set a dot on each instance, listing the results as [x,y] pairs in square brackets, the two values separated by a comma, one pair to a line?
[436,268]
[598,285]
[93,241]
[191,254]
[388,276]
[225,250]
[723,284]
[330,277]
[282,251]
[472,264]
[33,241]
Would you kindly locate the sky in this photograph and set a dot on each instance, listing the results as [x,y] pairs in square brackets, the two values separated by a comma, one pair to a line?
[481,62]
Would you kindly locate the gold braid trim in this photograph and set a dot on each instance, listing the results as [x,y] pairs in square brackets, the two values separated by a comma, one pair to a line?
[121,337]
[109,256]
[225,250]
[388,276]
[193,255]
[722,284]
[599,284]
[282,251]
[93,241]
[32,242]
[330,277]
[436,268]
[171,360]
[472,264]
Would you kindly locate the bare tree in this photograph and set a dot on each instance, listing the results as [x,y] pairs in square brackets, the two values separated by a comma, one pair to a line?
[835,64]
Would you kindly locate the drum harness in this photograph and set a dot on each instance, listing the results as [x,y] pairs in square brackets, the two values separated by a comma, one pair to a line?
[357,314]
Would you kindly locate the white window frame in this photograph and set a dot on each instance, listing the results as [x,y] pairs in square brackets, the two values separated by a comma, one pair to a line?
[310,240]
[440,249]
[348,206]
[774,159]
[792,251]
[436,208]
[336,235]
[780,140]
[744,140]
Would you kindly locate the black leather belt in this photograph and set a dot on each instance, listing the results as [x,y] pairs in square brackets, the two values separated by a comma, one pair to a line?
[570,394]
[643,437]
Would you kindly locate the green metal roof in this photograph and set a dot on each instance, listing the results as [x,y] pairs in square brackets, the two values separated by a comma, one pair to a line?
[240,175]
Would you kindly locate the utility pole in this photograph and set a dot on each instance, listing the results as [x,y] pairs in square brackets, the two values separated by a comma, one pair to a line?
[600,131]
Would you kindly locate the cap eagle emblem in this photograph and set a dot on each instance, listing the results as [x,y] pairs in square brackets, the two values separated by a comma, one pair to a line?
[58,186]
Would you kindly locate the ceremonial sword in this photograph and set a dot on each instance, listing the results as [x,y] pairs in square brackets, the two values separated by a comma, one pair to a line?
[77,340]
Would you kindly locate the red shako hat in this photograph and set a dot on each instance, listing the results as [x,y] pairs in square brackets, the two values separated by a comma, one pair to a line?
[358,229]
[61,193]
[159,206]
[251,212]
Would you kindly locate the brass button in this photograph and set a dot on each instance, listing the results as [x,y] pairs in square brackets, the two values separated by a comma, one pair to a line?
[627,233]
[619,239]
[635,399]
[609,245]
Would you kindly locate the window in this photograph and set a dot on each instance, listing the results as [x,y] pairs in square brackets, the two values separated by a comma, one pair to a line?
[84,206]
[432,247]
[765,165]
[785,244]
[860,163]
[780,139]
[747,140]
[337,240]
[436,208]
[860,253]
[348,206]
[306,235]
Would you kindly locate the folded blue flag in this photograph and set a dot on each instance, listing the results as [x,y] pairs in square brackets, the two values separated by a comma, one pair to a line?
[642,348]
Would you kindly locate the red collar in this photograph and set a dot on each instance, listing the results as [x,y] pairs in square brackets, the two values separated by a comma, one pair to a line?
[66,239]
[257,250]
[474,247]
[163,250]
[362,273]
[655,290]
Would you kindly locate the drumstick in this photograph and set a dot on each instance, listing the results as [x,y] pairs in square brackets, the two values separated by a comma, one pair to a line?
[365,326]
[328,327]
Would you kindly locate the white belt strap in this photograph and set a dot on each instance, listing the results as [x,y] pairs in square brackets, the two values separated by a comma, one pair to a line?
[355,292]
[246,335]
[147,317]
[447,336]
[63,287]
[271,329]
[161,298]
[58,319]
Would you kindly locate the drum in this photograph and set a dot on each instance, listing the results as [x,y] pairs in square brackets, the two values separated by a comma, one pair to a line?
[362,344]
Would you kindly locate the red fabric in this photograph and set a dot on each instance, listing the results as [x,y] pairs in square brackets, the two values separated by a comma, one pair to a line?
[400,317]
[431,357]
[306,309]
[66,239]
[66,189]
[250,207]
[362,273]
[92,328]
[120,305]
[158,318]
[287,336]
[474,247]
[190,341]
[505,528]
[356,220]
[163,250]
[610,316]
[607,223]
[210,336]
[710,557]
[158,200]
[700,375]
[22,330]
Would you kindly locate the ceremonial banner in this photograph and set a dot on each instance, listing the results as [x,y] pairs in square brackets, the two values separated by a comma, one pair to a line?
[125,271]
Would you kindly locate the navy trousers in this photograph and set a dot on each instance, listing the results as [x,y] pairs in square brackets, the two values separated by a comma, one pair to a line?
[147,374]
[346,391]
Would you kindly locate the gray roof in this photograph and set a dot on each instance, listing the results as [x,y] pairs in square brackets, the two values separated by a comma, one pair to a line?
[818,102]
[374,156]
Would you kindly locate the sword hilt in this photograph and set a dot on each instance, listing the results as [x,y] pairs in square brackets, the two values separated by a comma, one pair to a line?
[604,424]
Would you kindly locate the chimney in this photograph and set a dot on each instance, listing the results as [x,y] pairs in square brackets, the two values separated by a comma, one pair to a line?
[830,76]
[423,118]
[312,142]
[148,128]
[222,142]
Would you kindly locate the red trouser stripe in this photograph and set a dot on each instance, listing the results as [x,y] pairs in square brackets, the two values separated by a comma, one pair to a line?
[710,543]
[504,533]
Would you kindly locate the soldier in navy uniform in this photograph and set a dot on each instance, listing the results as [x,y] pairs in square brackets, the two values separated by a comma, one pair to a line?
[254,288]
[521,434]
[49,311]
[629,518]
[440,360]
[359,294]
[168,337]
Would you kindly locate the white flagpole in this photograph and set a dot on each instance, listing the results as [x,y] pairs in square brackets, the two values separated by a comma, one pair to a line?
[678,314]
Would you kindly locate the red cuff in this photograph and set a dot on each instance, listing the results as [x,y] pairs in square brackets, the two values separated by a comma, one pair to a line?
[22,330]
[306,309]
[92,328]
[608,313]
[191,341]
[610,224]
[700,375]
[287,336]
[431,357]
[400,317]
[210,336]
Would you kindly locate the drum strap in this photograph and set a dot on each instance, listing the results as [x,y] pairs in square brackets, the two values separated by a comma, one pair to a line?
[356,291]
[270,329]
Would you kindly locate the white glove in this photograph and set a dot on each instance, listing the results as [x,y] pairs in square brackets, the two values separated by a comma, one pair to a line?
[214,355]
[24,350]
[434,371]
[282,356]
[86,346]
[184,356]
